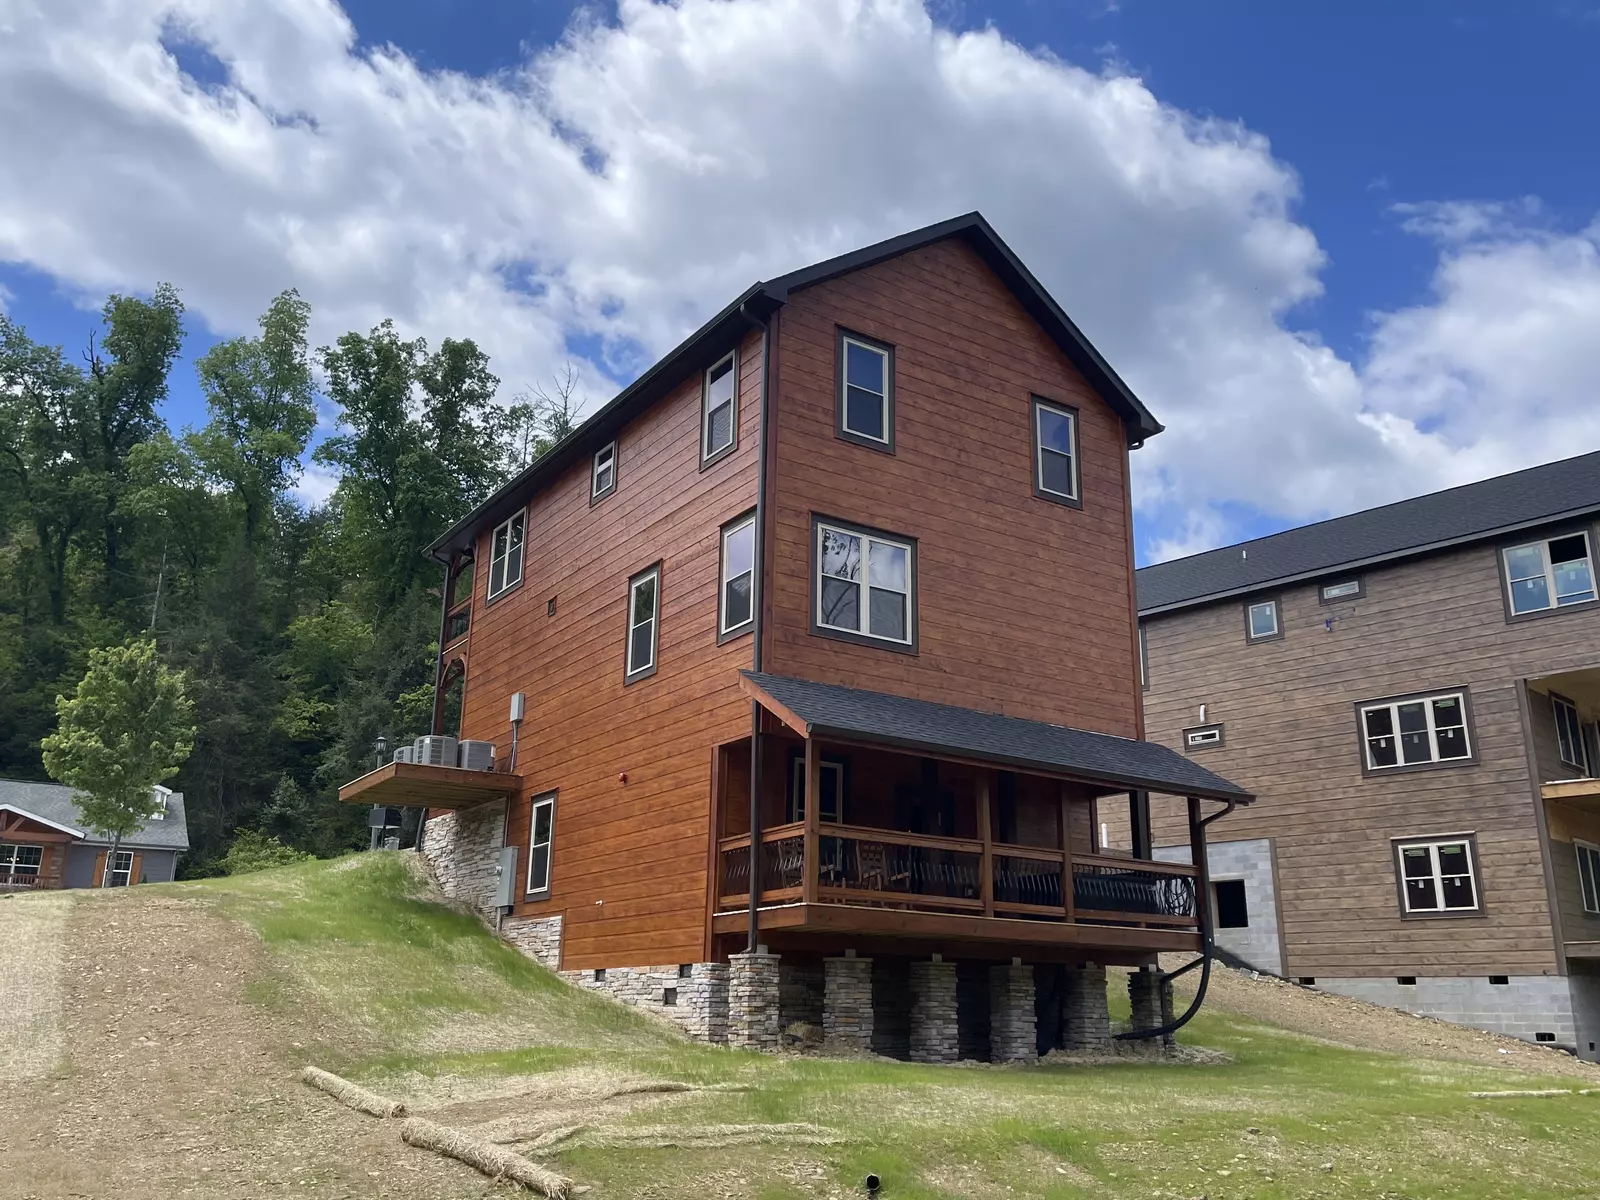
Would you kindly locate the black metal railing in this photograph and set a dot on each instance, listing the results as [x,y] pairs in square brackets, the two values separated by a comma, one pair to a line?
[1119,887]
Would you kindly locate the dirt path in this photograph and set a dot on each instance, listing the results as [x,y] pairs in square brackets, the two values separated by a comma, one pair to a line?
[31,945]
[174,1084]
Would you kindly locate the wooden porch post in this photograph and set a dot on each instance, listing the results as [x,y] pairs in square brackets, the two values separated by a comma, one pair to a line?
[985,831]
[1068,901]
[810,863]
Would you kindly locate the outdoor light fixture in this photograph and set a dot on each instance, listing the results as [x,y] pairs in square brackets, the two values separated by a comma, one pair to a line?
[382,747]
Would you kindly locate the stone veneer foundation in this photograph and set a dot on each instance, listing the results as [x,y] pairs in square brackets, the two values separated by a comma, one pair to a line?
[1150,1003]
[463,849]
[1013,1036]
[753,1001]
[933,1012]
[847,1002]
[1085,1011]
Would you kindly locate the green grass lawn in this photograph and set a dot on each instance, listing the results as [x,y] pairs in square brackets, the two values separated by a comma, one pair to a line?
[400,989]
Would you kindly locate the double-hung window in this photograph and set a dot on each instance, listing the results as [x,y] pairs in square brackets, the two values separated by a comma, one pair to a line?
[865,584]
[719,412]
[736,607]
[1437,876]
[1569,734]
[603,474]
[121,869]
[644,616]
[1589,875]
[1055,452]
[20,860]
[1415,731]
[541,833]
[505,555]
[1549,574]
[866,391]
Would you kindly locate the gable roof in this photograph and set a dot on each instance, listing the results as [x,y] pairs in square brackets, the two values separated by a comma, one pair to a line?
[38,820]
[1472,512]
[756,303]
[51,803]
[828,710]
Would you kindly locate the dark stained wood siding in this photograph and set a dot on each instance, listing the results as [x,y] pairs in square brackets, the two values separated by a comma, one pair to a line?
[1288,708]
[1024,605]
[629,859]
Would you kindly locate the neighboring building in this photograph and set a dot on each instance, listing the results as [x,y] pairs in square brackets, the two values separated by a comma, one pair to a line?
[1412,692]
[873,519]
[44,844]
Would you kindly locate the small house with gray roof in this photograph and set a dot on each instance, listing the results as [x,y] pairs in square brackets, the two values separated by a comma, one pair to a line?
[45,844]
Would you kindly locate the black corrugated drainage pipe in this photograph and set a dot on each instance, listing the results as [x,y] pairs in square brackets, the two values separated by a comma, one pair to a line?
[1202,902]
[758,599]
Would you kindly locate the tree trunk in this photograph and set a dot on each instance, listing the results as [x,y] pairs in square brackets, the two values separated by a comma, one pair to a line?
[111,860]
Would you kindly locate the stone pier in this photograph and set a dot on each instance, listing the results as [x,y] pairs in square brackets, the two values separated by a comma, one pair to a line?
[1013,1036]
[933,1012]
[847,1002]
[1085,1016]
[753,1001]
[1150,998]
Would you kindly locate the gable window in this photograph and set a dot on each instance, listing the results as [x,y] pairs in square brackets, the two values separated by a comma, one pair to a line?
[737,604]
[830,786]
[1437,876]
[866,391]
[1261,621]
[603,474]
[644,612]
[1549,574]
[541,833]
[1569,733]
[1589,875]
[719,416]
[505,556]
[1202,736]
[1343,589]
[20,860]
[865,584]
[1055,452]
[1416,731]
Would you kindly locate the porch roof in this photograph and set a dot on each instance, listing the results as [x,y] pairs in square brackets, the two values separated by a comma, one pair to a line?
[827,710]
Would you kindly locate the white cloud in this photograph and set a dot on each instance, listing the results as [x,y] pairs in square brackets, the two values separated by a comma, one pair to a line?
[624,184]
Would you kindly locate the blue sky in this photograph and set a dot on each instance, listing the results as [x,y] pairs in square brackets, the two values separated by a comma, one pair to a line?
[1416,148]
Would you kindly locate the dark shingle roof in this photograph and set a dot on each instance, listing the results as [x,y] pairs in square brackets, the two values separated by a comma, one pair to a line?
[1471,512]
[829,710]
[53,803]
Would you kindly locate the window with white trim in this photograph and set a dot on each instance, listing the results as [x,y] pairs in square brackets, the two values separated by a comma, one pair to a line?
[830,786]
[541,833]
[1261,620]
[121,869]
[1548,574]
[1569,733]
[737,603]
[1437,876]
[1589,875]
[1055,451]
[603,474]
[865,387]
[1202,735]
[864,584]
[20,860]
[644,613]
[719,416]
[1416,731]
[505,555]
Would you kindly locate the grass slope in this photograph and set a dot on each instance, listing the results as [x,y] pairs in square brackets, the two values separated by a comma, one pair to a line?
[422,992]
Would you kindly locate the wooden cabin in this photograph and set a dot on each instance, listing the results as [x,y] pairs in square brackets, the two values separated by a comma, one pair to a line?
[826,640]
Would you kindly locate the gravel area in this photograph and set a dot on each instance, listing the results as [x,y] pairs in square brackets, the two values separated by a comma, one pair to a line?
[31,943]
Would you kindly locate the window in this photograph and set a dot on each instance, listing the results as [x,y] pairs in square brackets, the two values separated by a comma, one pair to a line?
[1549,574]
[1232,912]
[830,783]
[121,869]
[866,392]
[719,416]
[1344,589]
[864,585]
[1588,874]
[1202,735]
[1437,876]
[1416,731]
[644,610]
[541,832]
[20,860]
[505,556]
[1261,621]
[1055,452]
[603,474]
[685,970]
[737,604]
[1569,733]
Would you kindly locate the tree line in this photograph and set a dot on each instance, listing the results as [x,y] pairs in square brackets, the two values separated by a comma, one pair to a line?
[303,631]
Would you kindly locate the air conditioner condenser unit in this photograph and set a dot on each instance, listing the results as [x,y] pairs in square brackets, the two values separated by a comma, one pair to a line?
[403,754]
[475,756]
[434,751]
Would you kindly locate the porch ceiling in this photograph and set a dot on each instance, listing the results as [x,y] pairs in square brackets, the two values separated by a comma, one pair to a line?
[826,710]
[418,785]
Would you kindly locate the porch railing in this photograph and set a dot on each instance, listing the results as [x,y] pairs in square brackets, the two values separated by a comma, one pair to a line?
[21,881]
[855,865]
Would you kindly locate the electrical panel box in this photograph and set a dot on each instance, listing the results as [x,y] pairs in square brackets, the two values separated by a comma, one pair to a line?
[505,882]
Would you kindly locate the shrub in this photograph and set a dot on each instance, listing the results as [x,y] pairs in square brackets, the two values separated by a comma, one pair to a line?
[255,851]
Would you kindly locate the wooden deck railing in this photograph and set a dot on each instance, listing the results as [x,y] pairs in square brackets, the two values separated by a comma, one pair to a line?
[23,881]
[855,865]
